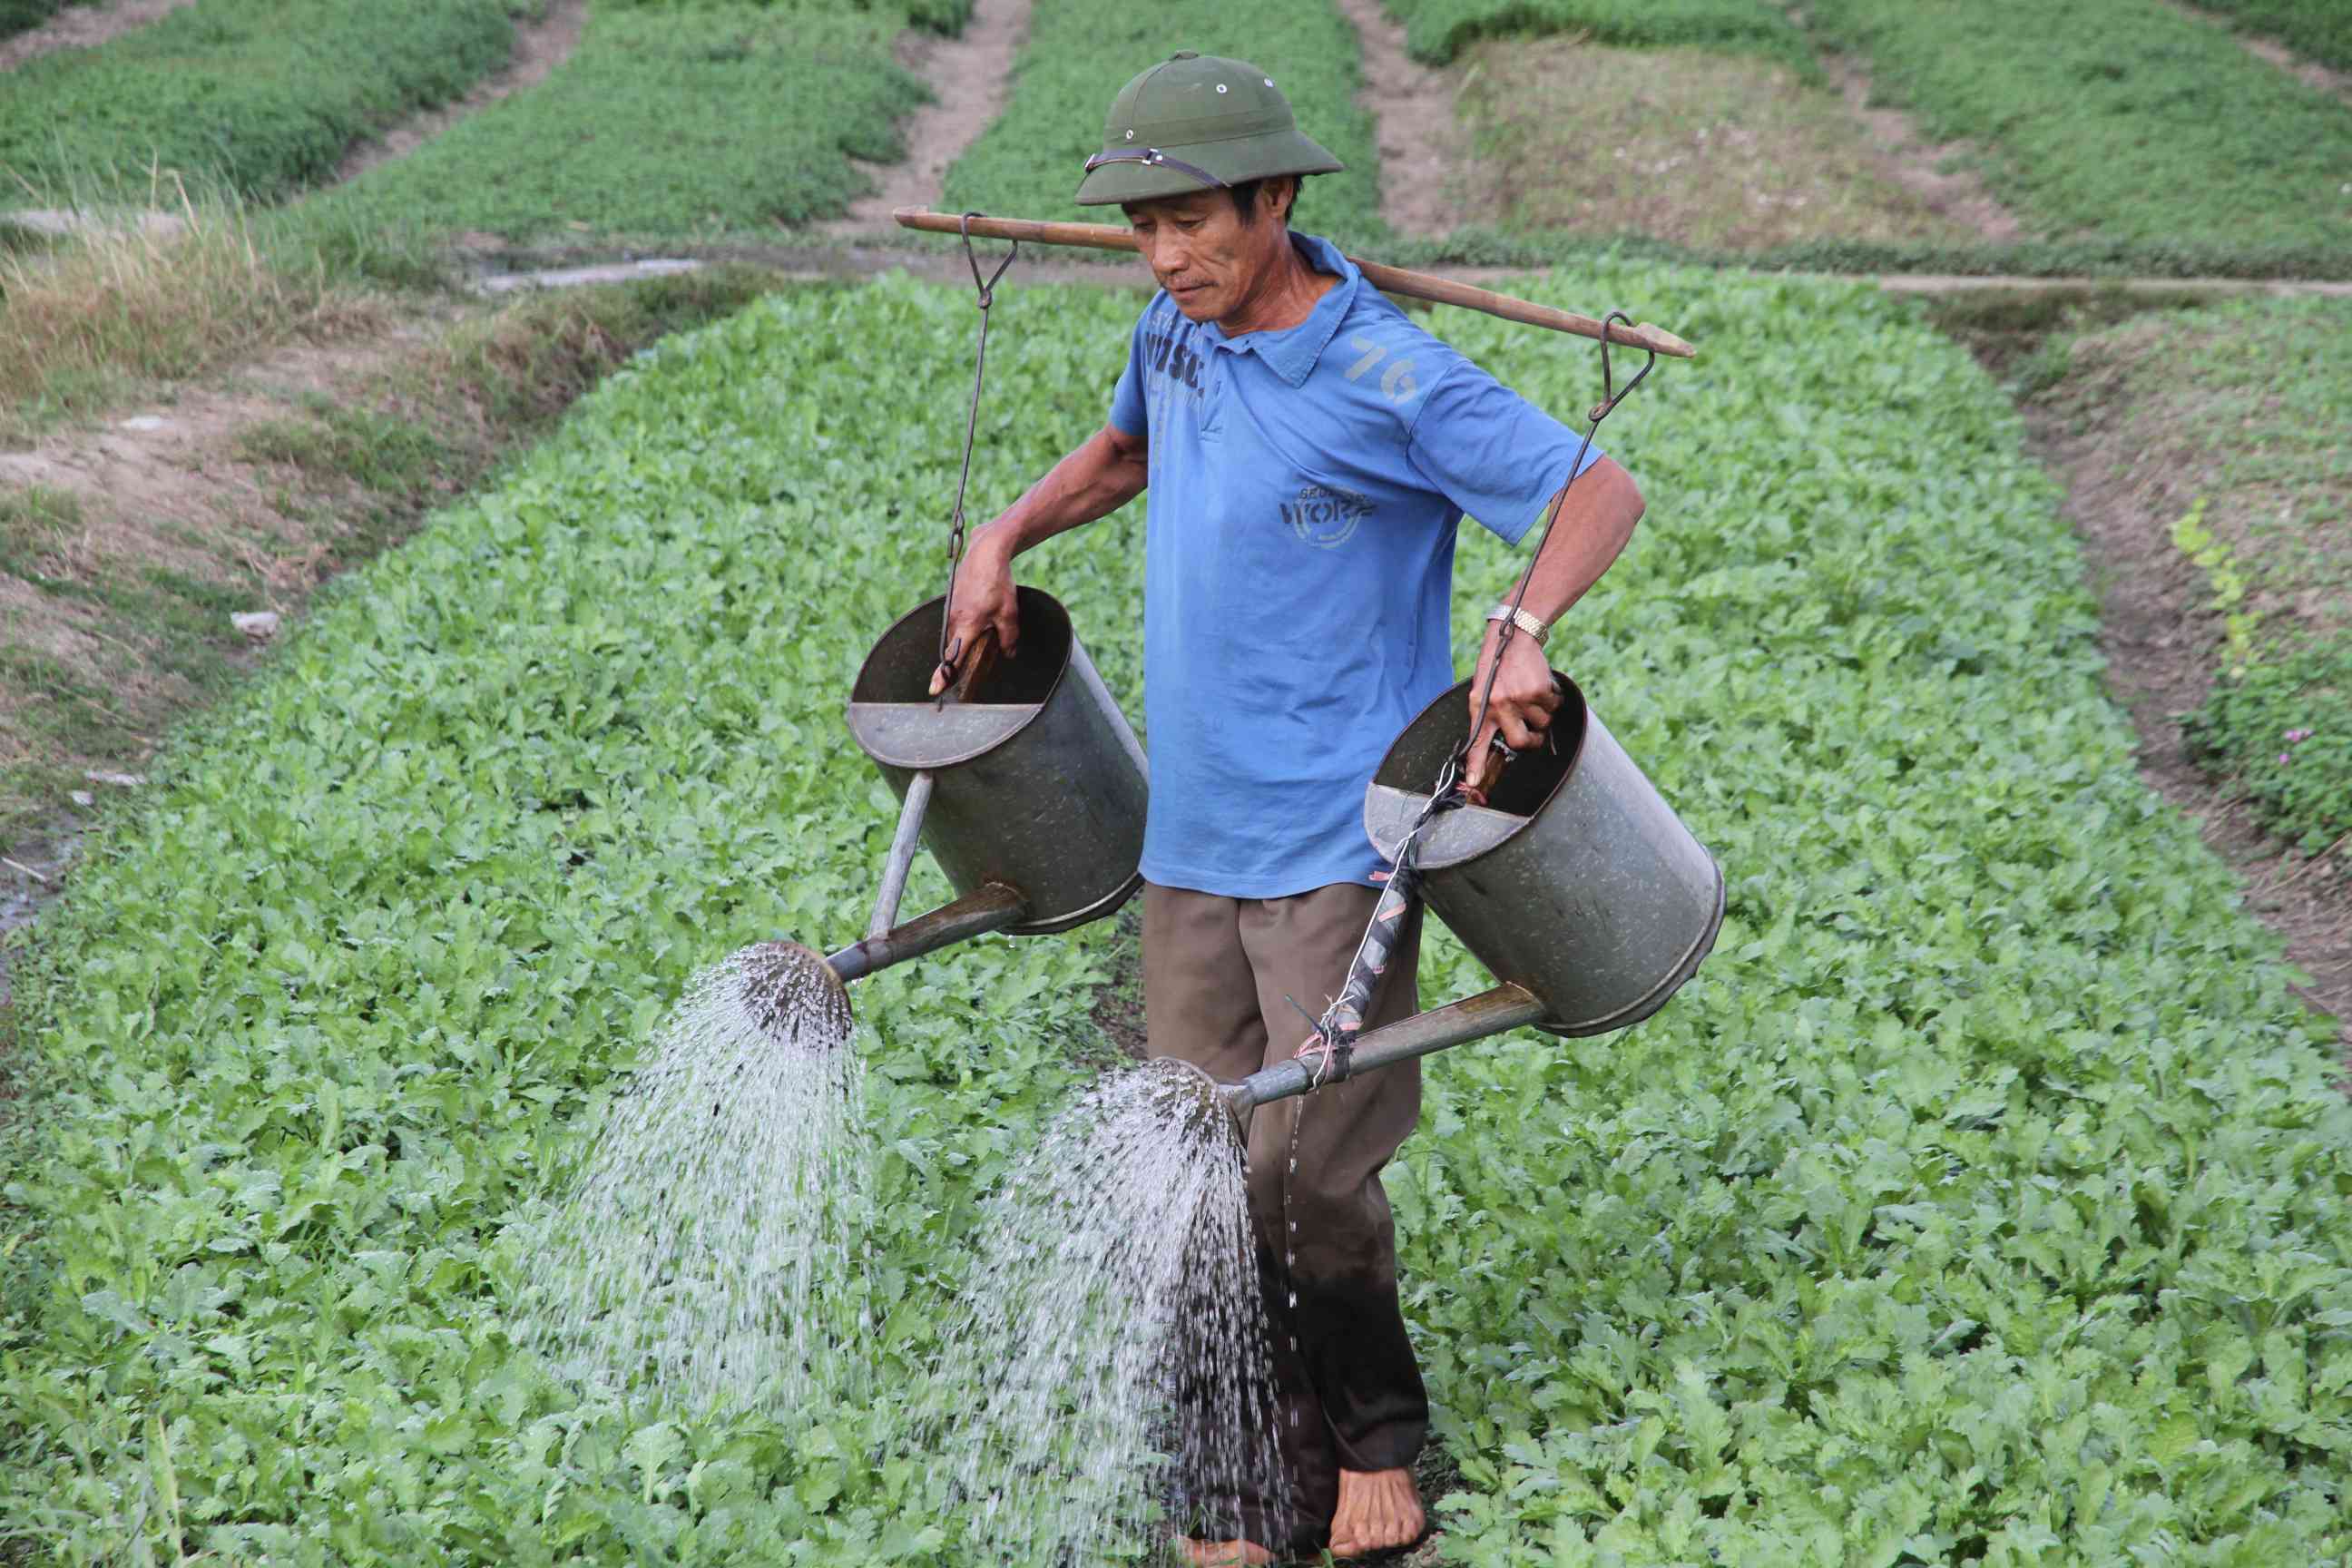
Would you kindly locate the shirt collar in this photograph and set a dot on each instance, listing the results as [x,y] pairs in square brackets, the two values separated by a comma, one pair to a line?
[1292,352]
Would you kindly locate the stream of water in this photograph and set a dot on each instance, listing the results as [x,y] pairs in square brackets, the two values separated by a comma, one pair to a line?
[1109,1378]
[703,1252]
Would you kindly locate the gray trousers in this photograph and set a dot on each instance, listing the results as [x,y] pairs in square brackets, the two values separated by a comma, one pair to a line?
[1216,973]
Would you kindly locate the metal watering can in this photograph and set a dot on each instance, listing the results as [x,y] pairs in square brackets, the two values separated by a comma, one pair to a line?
[1030,792]
[1575,884]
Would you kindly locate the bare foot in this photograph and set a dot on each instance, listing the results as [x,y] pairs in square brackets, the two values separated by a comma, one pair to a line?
[1222,1553]
[1379,1511]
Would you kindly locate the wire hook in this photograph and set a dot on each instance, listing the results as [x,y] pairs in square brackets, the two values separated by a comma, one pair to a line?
[1609,398]
[987,291]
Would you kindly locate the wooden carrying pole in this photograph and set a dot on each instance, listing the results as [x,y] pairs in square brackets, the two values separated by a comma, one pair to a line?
[1387,279]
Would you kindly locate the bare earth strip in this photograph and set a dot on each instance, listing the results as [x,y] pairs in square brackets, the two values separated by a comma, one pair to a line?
[540,47]
[971,75]
[81,28]
[1428,183]
[2157,631]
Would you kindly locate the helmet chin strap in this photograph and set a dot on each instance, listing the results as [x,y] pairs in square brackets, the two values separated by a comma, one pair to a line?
[1153,157]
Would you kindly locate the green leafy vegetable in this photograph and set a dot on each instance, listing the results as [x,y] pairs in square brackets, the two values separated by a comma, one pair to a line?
[1983,1199]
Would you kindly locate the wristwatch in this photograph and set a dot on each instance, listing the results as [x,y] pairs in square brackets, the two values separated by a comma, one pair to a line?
[1526,623]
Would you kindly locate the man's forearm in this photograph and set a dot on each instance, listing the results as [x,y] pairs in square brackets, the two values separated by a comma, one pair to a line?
[1105,472]
[1595,522]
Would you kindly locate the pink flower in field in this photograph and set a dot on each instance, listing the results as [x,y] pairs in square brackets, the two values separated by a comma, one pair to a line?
[2283,756]
[2292,735]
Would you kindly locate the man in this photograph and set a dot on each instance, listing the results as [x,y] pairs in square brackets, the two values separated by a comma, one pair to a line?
[1310,453]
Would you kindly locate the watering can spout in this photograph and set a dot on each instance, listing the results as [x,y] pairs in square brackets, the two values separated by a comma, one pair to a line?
[1488,1013]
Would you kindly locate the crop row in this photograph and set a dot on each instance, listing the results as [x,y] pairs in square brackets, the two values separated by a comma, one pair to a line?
[1077,56]
[1437,30]
[665,121]
[263,96]
[1983,1198]
[2126,120]
[2321,29]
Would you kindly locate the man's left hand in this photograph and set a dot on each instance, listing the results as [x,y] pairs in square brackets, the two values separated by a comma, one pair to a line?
[1520,709]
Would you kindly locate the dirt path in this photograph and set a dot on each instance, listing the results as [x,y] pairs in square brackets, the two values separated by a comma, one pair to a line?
[971,74]
[79,28]
[2161,654]
[1427,178]
[540,47]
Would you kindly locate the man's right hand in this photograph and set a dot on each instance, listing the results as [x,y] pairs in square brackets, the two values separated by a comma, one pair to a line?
[984,603]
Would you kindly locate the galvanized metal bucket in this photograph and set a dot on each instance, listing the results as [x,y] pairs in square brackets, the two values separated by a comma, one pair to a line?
[1031,794]
[1575,882]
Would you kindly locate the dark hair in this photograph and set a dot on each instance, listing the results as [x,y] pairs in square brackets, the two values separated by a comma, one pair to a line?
[1244,196]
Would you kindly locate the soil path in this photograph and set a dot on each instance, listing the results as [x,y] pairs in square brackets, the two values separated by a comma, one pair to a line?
[2161,654]
[1427,175]
[971,74]
[79,28]
[1928,170]
[2311,73]
[540,47]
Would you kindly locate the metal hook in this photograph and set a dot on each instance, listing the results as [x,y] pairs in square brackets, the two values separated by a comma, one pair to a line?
[1610,398]
[971,257]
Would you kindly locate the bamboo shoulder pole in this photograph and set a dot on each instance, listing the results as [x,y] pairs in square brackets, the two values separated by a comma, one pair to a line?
[1387,279]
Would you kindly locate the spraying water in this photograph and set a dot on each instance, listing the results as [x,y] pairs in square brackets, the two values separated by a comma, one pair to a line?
[1108,1379]
[704,1249]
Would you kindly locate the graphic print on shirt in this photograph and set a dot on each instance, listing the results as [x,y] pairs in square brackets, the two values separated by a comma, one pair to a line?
[1325,516]
[1173,362]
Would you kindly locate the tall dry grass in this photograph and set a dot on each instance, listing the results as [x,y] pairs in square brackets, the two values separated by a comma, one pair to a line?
[159,291]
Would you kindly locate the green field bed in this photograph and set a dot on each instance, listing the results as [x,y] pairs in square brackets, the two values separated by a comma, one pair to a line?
[1079,54]
[1437,30]
[1982,1200]
[2318,29]
[667,121]
[2125,120]
[260,96]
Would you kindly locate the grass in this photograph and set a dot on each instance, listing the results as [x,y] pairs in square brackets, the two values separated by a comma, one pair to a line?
[2245,402]
[257,97]
[2125,120]
[668,121]
[119,620]
[1078,55]
[85,321]
[1983,1199]
[2318,29]
[1438,30]
[1707,150]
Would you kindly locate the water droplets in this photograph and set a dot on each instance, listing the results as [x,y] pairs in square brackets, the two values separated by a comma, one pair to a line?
[704,1248]
[1109,1376]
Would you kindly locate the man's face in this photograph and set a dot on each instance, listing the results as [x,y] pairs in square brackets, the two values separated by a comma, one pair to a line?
[1202,254]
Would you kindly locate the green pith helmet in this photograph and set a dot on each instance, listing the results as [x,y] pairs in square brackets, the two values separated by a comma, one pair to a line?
[1197,122]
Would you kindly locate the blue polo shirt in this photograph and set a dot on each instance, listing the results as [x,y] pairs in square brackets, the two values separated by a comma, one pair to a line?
[1304,487]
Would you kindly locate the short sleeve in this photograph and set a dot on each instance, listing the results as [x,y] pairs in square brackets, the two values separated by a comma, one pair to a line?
[1490,451]
[1129,414]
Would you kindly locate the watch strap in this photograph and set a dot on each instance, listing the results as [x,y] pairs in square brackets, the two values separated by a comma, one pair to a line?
[1535,629]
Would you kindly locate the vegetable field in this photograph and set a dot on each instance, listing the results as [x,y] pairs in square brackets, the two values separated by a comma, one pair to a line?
[259,96]
[674,121]
[1983,1200]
